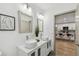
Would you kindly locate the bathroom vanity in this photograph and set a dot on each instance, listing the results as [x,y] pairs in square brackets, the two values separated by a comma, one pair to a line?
[42,49]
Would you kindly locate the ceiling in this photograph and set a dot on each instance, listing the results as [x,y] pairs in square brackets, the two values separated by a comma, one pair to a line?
[55,6]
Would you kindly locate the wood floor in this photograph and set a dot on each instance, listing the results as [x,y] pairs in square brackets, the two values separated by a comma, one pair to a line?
[65,48]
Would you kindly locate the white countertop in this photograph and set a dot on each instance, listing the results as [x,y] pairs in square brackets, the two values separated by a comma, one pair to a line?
[26,50]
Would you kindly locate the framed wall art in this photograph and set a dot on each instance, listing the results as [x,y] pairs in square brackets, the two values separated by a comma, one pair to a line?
[7,23]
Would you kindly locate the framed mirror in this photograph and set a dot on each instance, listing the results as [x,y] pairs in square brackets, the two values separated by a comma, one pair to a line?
[40,25]
[40,18]
[25,22]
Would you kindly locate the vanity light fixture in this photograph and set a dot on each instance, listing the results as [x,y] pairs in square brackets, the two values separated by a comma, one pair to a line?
[40,16]
[27,7]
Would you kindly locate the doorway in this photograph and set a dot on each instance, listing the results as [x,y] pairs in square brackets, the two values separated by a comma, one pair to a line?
[65,34]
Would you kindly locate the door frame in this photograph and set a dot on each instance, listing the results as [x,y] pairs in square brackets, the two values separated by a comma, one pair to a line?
[74,10]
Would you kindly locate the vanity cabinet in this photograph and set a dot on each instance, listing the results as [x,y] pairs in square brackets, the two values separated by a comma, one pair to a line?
[33,54]
[48,44]
[48,47]
[39,51]
[42,49]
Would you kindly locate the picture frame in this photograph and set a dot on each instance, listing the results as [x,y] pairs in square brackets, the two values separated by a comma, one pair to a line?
[7,23]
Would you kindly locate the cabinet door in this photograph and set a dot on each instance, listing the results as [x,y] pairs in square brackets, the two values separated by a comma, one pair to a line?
[48,46]
[43,50]
[39,51]
[33,54]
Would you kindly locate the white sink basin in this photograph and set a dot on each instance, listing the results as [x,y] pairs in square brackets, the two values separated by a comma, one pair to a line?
[30,44]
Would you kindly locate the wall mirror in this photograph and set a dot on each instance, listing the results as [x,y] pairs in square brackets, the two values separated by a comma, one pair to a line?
[40,24]
[25,23]
[40,18]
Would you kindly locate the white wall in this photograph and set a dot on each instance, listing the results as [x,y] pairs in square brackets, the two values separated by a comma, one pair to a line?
[35,10]
[49,27]
[70,25]
[65,18]
[77,25]
[49,21]
[10,39]
[77,30]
